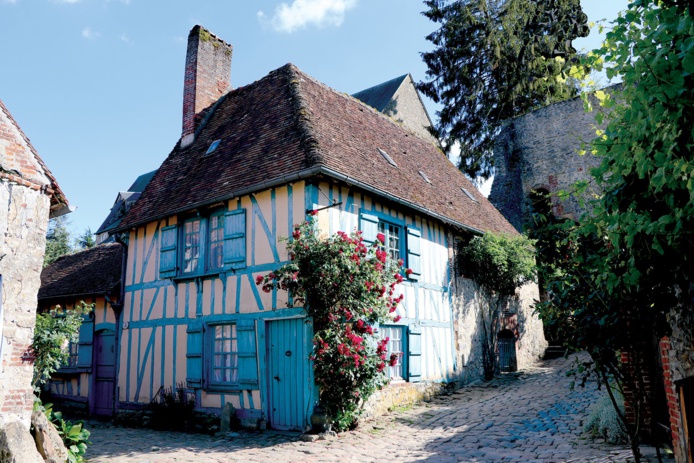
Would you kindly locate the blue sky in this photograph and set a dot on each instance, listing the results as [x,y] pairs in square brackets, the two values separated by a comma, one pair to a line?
[97,84]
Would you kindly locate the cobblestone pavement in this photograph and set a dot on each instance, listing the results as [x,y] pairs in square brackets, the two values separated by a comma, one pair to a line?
[530,416]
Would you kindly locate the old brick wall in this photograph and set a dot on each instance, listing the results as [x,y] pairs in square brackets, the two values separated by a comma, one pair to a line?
[540,150]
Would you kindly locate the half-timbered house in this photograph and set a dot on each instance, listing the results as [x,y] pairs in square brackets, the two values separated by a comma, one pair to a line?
[251,162]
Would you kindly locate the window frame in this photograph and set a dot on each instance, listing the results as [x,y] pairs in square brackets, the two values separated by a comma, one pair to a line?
[209,352]
[402,243]
[403,365]
[410,239]
[209,240]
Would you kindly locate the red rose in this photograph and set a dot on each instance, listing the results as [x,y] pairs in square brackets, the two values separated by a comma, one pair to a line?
[258,279]
[314,212]
[381,237]
[397,318]
[408,272]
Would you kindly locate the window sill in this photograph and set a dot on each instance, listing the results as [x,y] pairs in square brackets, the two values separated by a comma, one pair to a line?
[72,370]
[225,388]
[193,276]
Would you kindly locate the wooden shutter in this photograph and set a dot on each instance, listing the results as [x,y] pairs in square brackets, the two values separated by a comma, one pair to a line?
[248,358]
[86,342]
[195,332]
[369,227]
[235,239]
[414,353]
[168,263]
[414,258]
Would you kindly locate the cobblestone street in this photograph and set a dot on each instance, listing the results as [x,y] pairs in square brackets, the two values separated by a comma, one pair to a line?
[529,416]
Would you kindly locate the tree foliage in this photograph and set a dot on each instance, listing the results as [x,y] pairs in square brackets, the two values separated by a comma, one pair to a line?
[85,240]
[346,286]
[495,60]
[631,259]
[58,240]
[52,335]
[498,264]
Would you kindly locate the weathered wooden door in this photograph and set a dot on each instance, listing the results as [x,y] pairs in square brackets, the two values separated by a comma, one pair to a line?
[288,374]
[105,372]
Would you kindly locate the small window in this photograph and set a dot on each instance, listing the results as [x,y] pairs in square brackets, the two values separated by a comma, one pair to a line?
[224,370]
[469,195]
[213,147]
[393,239]
[424,176]
[395,346]
[387,157]
[73,350]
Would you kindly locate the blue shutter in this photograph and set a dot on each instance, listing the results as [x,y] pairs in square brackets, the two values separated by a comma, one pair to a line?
[369,227]
[248,358]
[86,340]
[414,256]
[235,239]
[167,252]
[414,353]
[194,354]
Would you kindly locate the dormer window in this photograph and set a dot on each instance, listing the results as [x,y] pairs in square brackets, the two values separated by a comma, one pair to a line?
[213,147]
[424,176]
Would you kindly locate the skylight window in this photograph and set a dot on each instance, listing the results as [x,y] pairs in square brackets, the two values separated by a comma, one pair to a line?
[424,176]
[387,157]
[213,147]
[469,195]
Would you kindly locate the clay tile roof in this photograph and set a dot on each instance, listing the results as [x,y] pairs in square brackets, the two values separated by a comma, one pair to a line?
[58,198]
[93,271]
[288,126]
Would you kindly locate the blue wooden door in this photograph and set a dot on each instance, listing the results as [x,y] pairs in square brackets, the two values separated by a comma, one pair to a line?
[105,372]
[288,374]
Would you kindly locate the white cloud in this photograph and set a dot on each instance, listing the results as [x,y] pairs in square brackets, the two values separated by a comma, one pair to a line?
[89,34]
[66,1]
[9,1]
[302,13]
[124,38]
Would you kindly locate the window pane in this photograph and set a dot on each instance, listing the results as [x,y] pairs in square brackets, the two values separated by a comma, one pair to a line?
[395,346]
[191,254]
[392,241]
[216,242]
[225,358]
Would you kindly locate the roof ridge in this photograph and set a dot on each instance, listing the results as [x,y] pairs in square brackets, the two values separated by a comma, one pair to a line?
[304,124]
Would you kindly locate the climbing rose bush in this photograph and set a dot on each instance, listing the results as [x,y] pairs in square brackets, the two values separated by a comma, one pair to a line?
[347,286]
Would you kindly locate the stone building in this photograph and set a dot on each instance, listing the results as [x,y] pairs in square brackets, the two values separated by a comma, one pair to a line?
[29,195]
[537,154]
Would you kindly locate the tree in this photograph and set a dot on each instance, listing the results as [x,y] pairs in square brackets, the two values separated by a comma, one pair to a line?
[631,267]
[58,240]
[498,264]
[495,60]
[85,240]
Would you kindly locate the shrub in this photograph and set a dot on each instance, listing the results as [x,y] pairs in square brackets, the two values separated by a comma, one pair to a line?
[171,409]
[74,435]
[604,422]
[347,286]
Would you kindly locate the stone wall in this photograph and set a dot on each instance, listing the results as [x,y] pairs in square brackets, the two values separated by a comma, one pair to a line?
[23,221]
[520,319]
[540,151]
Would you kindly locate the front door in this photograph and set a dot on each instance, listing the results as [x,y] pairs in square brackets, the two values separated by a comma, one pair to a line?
[105,372]
[288,374]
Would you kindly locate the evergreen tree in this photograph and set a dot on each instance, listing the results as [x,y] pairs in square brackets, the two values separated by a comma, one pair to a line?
[58,239]
[494,60]
[85,240]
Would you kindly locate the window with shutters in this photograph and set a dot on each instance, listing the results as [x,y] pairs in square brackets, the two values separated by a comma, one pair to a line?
[204,245]
[224,367]
[222,355]
[401,241]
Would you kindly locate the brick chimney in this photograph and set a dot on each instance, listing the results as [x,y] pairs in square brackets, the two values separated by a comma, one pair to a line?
[207,77]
